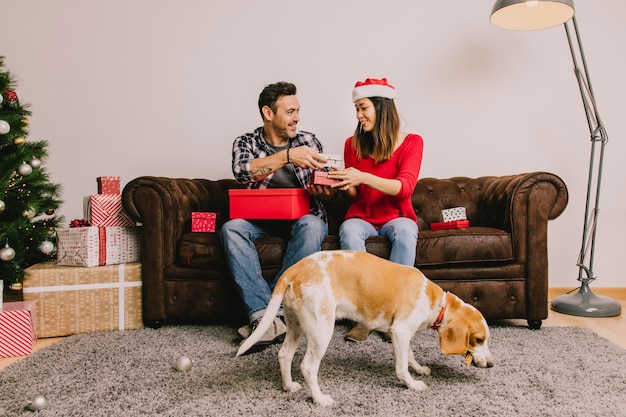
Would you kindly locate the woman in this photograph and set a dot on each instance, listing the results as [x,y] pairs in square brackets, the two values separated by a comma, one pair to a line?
[382,164]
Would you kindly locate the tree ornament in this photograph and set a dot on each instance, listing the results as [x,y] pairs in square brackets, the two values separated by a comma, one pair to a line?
[38,403]
[24,169]
[183,364]
[11,97]
[46,247]
[2,206]
[50,212]
[29,213]
[7,253]
[35,163]
[1,98]
[25,121]
[19,141]
[4,127]
[16,286]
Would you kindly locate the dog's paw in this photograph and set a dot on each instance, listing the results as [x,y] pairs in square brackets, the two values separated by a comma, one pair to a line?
[422,370]
[292,387]
[417,386]
[324,400]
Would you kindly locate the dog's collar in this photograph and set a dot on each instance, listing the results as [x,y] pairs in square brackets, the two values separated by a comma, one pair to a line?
[444,302]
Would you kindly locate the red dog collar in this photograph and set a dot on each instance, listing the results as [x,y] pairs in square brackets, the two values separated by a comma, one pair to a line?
[444,302]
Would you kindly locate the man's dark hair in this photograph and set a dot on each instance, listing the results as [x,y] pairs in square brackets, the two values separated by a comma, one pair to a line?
[272,92]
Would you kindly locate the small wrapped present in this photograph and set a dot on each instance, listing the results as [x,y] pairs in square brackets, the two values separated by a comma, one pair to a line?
[96,246]
[74,300]
[108,185]
[105,210]
[334,161]
[18,331]
[321,178]
[203,221]
[456,213]
[453,224]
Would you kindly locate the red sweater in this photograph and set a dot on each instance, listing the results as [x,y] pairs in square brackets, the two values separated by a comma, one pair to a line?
[372,205]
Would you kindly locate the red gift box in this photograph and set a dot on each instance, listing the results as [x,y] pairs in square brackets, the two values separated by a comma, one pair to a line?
[17,328]
[454,224]
[269,203]
[105,210]
[108,185]
[321,178]
[203,221]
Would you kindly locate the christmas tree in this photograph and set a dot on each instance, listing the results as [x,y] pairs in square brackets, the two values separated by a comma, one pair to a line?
[28,201]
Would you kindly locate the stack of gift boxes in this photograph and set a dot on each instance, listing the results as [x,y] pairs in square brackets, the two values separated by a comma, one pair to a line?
[95,284]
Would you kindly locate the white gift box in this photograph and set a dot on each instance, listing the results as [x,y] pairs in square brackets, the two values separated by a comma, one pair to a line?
[456,213]
[334,161]
[96,246]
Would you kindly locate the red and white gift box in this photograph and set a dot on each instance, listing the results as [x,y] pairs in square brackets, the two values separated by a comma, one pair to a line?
[96,246]
[321,178]
[17,329]
[452,214]
[203,221]
[105,210]
[108,185]
[453,224]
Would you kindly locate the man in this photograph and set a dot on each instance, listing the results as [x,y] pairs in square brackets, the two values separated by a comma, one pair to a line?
[275,155]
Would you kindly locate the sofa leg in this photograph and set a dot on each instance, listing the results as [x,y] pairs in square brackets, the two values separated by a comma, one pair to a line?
[534,324]
[154,324]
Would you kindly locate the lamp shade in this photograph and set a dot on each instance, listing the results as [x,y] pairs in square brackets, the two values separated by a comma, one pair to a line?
[531,14]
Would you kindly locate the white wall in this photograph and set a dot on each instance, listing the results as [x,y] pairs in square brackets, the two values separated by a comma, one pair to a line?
[139,87]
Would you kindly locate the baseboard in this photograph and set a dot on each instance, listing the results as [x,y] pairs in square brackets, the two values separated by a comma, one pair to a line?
[618,293]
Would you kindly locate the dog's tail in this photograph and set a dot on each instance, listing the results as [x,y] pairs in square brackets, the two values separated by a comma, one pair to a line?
[270,313]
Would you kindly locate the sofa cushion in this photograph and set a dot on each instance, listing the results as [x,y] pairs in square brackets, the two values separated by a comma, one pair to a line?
[471,244]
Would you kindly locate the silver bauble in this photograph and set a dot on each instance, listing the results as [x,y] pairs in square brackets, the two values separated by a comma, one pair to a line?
[24,169]
[183,364]
[2,206]
[46,247]
[38,403]
[7,253]
[29,214]
[35,163]
[4,127]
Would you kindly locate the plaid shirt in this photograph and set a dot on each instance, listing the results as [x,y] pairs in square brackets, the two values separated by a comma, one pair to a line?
[253,145]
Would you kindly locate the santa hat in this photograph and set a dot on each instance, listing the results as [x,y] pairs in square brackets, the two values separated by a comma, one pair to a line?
[373,87]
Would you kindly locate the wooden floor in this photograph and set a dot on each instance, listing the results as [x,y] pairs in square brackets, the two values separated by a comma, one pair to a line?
[611,328]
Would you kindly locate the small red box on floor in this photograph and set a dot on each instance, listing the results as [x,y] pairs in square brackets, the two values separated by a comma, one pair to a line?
[321,178]
[17,329]
[203,221]
[454,224]
[269,203]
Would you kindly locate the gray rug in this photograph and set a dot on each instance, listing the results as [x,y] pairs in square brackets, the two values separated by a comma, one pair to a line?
[553,371]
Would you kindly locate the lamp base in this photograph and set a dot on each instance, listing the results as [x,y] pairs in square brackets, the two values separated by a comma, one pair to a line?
[586,303]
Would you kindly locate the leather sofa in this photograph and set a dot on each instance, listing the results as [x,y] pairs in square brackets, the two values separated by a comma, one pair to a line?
[498,264]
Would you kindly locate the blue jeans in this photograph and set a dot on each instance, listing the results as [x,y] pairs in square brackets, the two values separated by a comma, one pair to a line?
[238,237]
[401,231]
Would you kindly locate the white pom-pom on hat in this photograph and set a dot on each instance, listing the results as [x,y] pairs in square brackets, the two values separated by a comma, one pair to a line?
[373,87]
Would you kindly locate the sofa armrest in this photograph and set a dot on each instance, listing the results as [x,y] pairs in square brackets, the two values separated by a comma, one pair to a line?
[164,206]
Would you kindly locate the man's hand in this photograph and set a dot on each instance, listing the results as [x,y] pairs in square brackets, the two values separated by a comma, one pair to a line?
[323,192]
[306,157]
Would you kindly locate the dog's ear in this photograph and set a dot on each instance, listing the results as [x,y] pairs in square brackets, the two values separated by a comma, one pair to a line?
[454,337]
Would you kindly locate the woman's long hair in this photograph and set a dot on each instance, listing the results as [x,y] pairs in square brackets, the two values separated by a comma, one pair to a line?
[380,142]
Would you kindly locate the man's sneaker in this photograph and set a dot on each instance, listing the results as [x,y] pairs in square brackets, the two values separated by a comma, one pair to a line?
[245,331]
[275,334]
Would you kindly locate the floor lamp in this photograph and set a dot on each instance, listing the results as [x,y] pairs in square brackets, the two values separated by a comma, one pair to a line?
[542,14]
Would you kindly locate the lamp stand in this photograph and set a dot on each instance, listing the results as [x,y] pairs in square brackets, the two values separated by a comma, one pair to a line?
[585,302]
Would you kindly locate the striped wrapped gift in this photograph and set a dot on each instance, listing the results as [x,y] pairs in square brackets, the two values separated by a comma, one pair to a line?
[105,210]
[17,329]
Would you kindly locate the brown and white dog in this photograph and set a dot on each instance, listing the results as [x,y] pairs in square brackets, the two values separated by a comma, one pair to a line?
[381,295]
